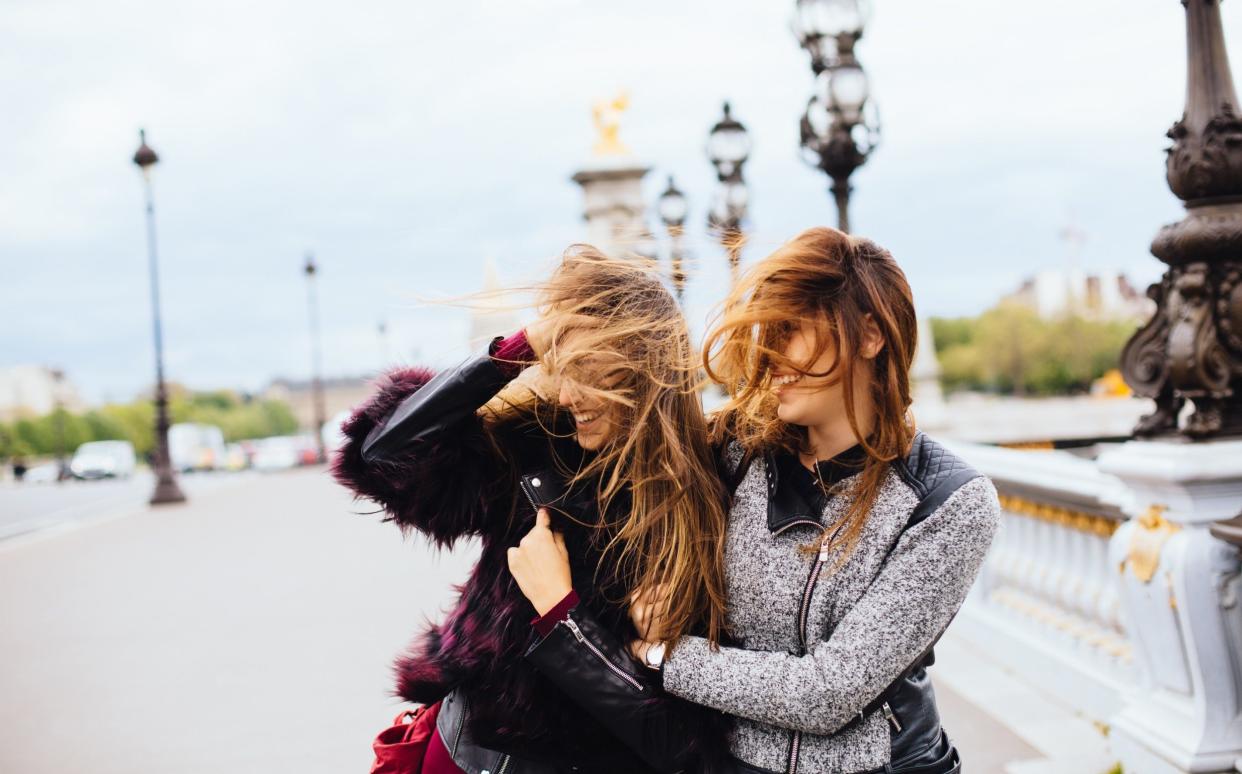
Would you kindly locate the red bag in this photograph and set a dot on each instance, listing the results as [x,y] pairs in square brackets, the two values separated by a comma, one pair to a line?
[400,748]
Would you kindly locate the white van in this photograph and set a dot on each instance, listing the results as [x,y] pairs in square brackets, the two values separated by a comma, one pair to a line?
[103,459]
[193,446]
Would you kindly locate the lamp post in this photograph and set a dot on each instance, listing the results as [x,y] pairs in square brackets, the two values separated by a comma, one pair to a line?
[840,127]
[166,488]
[728,148]
[312,305]
[58,403]
[673,208]
[1191,349]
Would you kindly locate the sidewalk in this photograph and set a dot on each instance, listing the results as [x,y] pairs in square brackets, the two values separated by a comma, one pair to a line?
[248,631]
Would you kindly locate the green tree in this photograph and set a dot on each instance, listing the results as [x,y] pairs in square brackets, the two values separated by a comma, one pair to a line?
[1010,349]
[135,422]
[953,331]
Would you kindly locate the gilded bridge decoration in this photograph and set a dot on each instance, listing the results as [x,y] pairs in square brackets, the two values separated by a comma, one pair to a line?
[1063,517]
[607,114]
[1151,532]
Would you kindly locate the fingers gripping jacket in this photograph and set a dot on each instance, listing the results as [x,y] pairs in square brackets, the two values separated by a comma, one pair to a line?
[593,668]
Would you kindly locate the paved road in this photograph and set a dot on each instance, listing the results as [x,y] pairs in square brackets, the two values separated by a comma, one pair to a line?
[30,507]
[249,631]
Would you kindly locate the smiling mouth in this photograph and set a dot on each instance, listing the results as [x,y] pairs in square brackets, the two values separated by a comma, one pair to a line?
[582,420]
[785,380]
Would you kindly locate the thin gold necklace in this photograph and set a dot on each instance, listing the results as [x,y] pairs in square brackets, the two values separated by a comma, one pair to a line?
[818,476]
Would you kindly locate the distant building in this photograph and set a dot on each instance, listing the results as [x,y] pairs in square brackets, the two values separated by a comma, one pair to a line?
[1106,296]
[339,394]
[33,390]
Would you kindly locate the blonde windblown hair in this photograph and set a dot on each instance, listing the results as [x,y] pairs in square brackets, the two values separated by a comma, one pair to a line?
[619,335]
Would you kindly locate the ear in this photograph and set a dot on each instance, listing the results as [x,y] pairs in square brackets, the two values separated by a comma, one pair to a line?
[872,340]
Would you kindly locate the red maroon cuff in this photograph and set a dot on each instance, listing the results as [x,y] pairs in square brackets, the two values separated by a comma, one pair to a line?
[544,624]
[512,354]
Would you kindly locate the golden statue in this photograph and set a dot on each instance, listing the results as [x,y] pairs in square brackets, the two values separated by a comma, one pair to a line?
[607,115]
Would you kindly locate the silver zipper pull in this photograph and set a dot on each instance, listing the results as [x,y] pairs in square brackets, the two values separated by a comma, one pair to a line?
[891,717]
[823,552]
[573,627]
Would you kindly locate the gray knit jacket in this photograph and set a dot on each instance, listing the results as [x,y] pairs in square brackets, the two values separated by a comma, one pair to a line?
[867,621]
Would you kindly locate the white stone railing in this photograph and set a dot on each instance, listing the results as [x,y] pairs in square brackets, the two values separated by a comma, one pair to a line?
[1106,588]
[1047,603]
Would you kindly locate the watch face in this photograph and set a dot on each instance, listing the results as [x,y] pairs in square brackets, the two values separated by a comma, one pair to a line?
[655,655]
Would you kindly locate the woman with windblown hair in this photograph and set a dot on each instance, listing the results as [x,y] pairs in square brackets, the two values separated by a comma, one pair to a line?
[852,537]
[585,483]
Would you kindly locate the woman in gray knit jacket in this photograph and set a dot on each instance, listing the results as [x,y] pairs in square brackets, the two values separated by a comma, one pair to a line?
[853,538]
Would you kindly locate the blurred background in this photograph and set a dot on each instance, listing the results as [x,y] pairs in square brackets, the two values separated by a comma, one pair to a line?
[315,183]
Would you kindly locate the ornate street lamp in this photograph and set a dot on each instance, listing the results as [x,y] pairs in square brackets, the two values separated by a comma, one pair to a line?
[728,148]
[166,489]
[840,127]
[312,306]
[673,209]
[1191,349]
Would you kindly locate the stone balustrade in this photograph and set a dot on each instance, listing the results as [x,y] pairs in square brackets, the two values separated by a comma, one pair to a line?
[1105,588]
[1047,602]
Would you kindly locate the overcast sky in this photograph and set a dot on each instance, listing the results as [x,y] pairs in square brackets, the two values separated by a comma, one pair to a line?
[404,143]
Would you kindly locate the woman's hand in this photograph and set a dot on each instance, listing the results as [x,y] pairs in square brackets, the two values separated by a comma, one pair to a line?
[647,612]
[540,565]
[539,335]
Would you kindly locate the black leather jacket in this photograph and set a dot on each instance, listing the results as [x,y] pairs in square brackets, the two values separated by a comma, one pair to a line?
[515,703]
[919,744]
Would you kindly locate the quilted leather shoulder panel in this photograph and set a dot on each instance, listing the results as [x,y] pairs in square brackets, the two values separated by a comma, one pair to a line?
[934,473]
[929,466]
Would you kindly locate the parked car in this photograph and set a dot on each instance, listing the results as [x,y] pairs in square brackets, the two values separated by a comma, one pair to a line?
[44,473]
[104,459]
[277,453]
[193,446]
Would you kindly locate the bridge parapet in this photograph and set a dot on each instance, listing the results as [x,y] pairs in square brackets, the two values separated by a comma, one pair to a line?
[1106,589]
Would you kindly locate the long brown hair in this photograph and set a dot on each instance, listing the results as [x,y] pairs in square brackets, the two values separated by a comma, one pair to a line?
[618,333]
[837,282]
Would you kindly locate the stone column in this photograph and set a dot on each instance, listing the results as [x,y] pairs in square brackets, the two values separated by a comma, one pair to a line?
[1180,590]
[613,204]
[929,408]
[1179,582]
[612,185]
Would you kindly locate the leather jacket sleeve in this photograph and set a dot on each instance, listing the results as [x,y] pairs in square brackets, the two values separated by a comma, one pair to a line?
[594,670]
[418,448]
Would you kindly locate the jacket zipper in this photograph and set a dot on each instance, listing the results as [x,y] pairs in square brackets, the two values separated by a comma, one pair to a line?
[798,523]
[573,627]
[795,744]
[529,495]
[504,763]
[891,717]
[616,670]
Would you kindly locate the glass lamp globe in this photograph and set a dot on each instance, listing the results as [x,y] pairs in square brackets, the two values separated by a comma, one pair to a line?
[728,144]
[672,205]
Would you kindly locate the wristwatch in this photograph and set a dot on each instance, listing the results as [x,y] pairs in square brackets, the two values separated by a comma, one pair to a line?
[653,657]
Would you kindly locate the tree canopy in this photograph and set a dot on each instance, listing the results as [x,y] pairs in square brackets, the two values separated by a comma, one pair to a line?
[1009,349]
[237,416]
